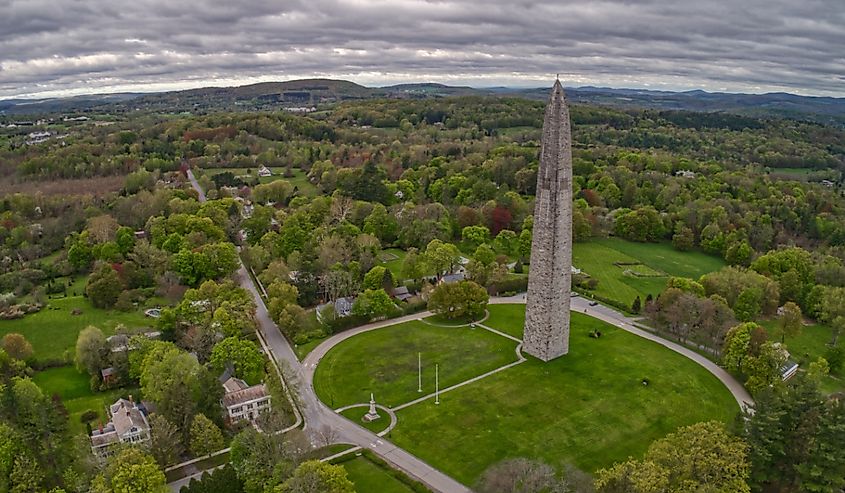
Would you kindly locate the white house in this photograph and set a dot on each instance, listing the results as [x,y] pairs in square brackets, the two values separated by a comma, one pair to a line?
[127,425]
[244,402]
[264,171]
[685,173]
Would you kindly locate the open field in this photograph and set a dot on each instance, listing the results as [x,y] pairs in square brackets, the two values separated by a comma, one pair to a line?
[589,408]
[73,387]
[371,477]
[53,330]
[299,178]
[599,257]
[384,362]
[807,347]
[392,258]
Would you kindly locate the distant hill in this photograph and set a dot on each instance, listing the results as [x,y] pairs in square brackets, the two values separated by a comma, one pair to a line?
[312,92]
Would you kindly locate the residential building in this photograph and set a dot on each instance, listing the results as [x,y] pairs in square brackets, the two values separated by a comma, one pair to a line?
[244,402]
[401,293]
[127,425]
[342,307]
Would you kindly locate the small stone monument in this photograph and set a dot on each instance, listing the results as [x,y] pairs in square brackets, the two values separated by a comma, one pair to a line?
[372,414]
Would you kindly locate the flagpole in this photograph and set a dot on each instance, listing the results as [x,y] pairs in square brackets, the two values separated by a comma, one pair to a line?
[437,383]
[419,372]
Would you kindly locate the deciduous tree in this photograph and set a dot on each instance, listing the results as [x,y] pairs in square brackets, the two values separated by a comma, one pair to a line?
[206,437]
[16,346]
[463,299]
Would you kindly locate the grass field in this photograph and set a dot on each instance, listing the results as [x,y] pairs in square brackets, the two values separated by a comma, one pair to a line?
[806,347]
[53,330]
[299,178]
[370,477]
[357,413]
[589,408]
[597,258]
[76,394]
[392,258]
[384,362]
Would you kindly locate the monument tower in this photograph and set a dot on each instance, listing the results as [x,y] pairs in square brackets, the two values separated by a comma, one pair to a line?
[547,312]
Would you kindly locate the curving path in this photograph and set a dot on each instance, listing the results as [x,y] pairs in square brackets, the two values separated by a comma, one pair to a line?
[312,411]
[317,415]
[617,319]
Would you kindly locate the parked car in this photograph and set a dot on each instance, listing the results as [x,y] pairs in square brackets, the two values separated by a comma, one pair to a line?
[594,303]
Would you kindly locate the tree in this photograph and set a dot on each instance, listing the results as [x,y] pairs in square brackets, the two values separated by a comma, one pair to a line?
[17,346]
[26,476]
[832,310]
[413,265]
[739,253]
[748,304]
[314,476]
[475,235]
[130,471]
[373,303]
[686,284]
[795,435]
[441,257]
[277,191]
[244,356]
[223,480]
[684,238]
[738,345]
[791,321]
[11,447]
[636,306]
[263,460]
[529,476]
[700,457]
[180,386]
[91,350]
[104,286]
[206,437]
[375,278]
[381,224]
[633,476]
[463,299]
[764,368]
[165,441]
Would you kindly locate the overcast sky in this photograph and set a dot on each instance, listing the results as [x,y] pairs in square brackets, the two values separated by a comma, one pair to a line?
[62,47]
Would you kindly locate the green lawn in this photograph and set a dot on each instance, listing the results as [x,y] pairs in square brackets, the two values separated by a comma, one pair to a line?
[806,347]
[597,258]
[588,408]
[73,387]
[299,178]
[384,362]
[357,413]
[53,330]
[392,258]
[506,319]
[370,477]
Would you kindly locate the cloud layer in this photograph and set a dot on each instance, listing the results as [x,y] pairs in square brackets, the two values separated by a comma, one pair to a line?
[50,47]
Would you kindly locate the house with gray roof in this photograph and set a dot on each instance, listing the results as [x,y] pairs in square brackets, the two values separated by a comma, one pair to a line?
[244,402]
[127,425]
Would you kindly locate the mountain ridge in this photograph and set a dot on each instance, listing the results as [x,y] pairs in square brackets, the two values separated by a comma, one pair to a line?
[315,91]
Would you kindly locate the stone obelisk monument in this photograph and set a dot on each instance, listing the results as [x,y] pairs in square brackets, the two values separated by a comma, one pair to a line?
[547,312]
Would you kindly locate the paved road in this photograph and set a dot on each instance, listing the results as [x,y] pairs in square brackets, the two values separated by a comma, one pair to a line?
[317,415]
[613,317]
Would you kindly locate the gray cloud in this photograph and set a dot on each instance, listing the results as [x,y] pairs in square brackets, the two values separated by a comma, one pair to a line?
[76,46]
